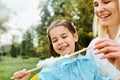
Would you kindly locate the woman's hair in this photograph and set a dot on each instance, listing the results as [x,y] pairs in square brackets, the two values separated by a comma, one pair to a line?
[67,25]
[101,30]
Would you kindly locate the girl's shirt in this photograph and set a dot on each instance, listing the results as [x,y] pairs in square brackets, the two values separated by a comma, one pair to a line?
[106,68]
[80,68]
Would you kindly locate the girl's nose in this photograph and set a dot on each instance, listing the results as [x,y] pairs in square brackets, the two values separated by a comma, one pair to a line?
[60,42]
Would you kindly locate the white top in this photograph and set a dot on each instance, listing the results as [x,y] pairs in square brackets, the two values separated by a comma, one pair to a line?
[106,68]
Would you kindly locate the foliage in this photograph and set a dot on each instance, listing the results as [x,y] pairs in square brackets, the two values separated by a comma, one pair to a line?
[4,17]
[15,47]
[13,51]
[27,46]
[41,29]
[6,49]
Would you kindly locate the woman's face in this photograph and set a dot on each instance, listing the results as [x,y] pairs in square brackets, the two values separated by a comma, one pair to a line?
[63,40]
[107,11]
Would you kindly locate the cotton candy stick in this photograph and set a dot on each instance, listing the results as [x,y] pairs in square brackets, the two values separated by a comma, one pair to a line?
[48,62]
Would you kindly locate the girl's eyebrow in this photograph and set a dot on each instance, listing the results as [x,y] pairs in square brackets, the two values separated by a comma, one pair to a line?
[60,34]
[64,33]
[53,38]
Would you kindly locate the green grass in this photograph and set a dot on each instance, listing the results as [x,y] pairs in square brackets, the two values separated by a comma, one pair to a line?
[10,65]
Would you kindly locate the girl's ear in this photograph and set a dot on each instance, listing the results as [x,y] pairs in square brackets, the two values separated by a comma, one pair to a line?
[75,37]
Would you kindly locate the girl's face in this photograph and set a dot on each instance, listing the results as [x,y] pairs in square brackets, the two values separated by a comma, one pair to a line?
[63,40]
[107,11]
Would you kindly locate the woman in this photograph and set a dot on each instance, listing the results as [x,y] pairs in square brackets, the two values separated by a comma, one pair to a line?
[107,45]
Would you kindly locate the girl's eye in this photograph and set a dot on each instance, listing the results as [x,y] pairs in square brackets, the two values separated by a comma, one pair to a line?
[64,36]
[54,40]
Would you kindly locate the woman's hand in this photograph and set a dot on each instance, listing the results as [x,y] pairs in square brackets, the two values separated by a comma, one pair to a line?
[110,49]
[21,75]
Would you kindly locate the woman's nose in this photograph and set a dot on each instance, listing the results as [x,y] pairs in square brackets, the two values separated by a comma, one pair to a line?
[100,8]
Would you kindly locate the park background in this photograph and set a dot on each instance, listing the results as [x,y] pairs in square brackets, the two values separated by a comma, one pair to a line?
[25,52]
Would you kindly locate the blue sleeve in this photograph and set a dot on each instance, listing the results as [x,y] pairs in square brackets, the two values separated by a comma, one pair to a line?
[48,73]
[98,76]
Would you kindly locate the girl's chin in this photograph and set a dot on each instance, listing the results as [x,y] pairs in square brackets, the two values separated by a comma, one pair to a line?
[64,54]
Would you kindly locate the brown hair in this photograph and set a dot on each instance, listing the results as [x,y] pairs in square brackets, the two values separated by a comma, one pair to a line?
[66,24]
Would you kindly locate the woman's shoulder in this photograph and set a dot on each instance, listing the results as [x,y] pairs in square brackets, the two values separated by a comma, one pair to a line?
[90,52]
[94,41]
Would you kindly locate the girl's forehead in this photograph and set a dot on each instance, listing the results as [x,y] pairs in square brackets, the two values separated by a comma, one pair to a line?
[58,28]
[58,31]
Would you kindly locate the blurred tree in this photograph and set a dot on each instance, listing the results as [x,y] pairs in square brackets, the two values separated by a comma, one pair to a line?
[6,49]
[4,17]
[27,46]
[41,28]
[15,50]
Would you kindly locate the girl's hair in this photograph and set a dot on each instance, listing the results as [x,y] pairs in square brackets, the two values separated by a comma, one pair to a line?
[67,25]
[101,30]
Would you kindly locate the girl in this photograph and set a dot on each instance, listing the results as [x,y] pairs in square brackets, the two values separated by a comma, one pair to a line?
[63,39]
[107,45]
